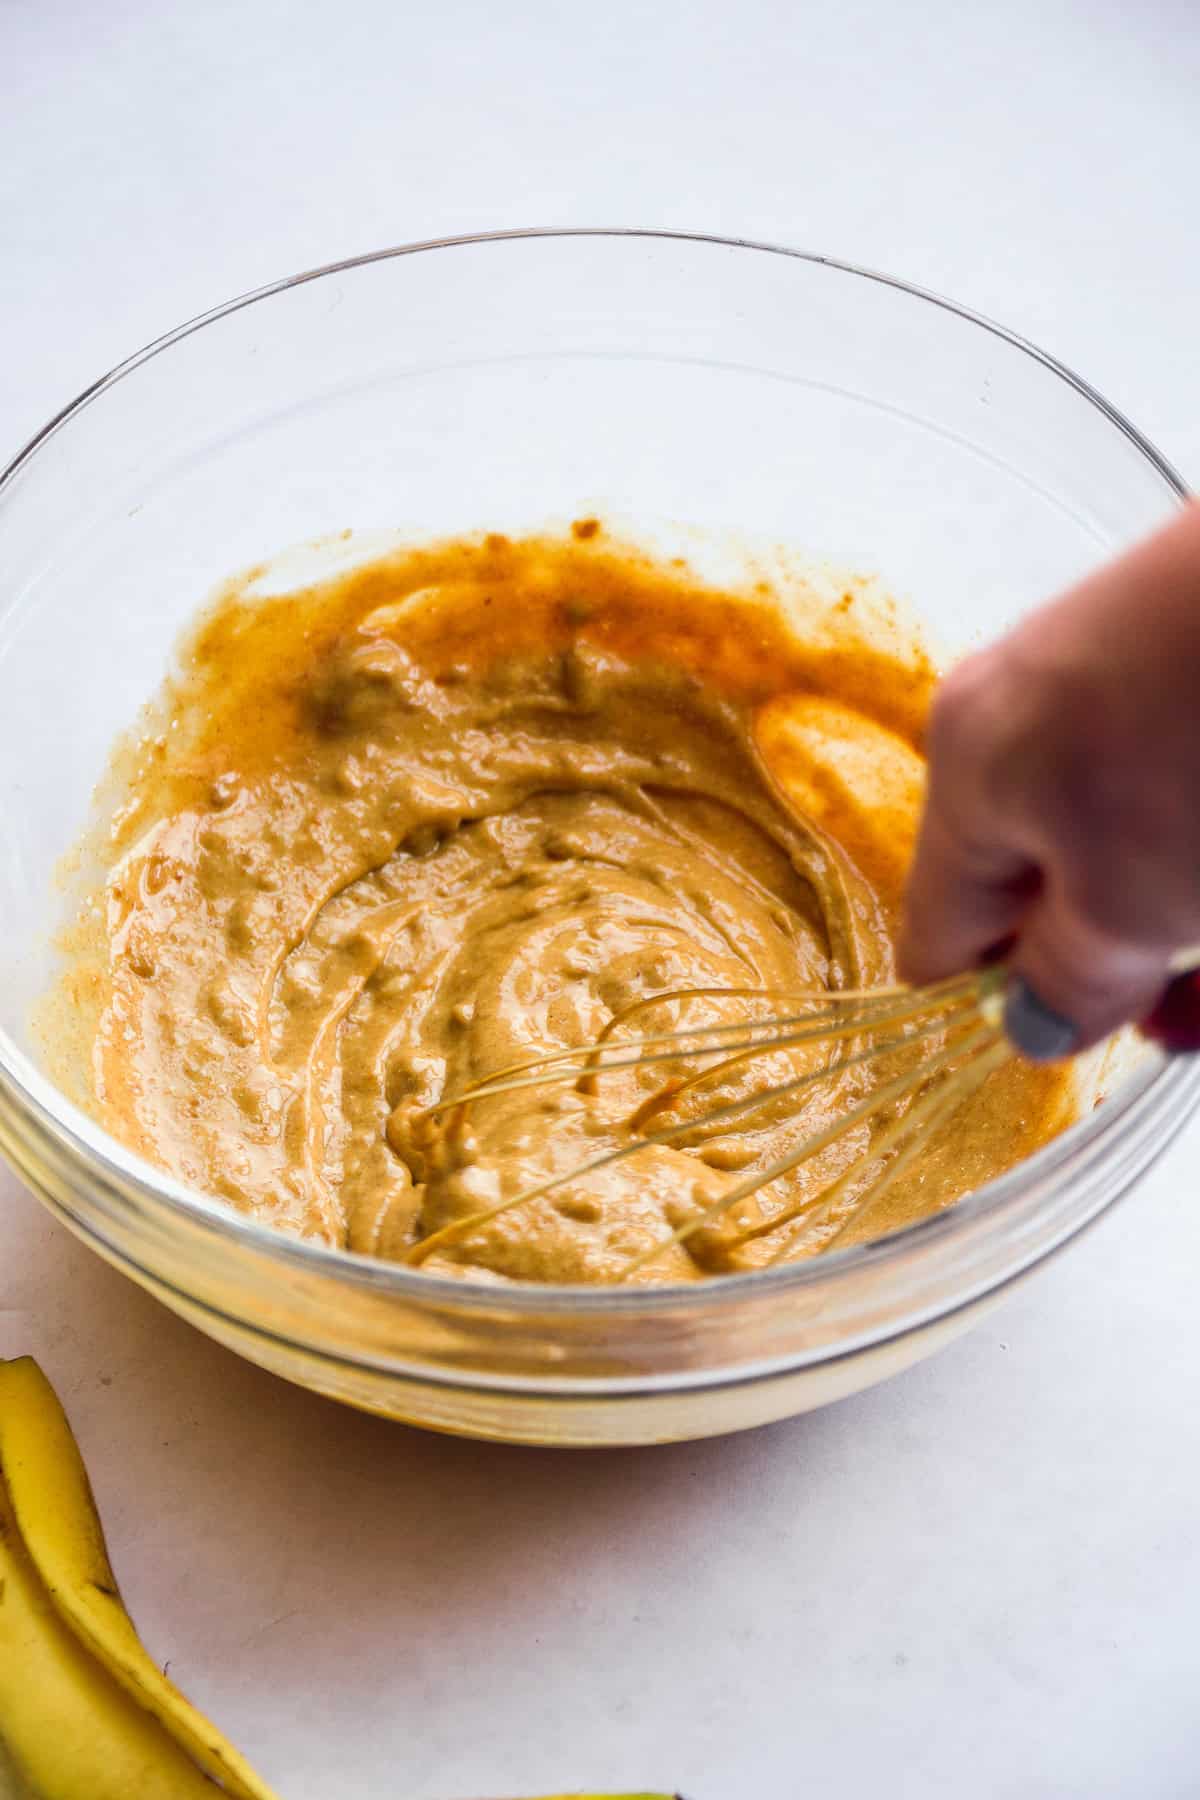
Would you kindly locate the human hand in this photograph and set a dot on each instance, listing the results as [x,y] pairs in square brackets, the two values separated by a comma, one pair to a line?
[1063,810]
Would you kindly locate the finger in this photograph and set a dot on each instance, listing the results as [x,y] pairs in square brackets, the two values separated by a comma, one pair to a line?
[1137,880]
[1085,983]
[961,900]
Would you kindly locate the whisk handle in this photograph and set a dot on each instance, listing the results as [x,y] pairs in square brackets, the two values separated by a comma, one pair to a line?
[1174,1023]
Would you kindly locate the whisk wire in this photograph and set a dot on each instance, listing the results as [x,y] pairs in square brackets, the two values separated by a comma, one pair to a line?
[931,1112]
[827,1024]
[831,997]
[458,1229]
[911,1131]
[966,1012]
[874,1103]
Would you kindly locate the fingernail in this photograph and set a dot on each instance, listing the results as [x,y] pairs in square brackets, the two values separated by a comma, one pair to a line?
[1035,1028]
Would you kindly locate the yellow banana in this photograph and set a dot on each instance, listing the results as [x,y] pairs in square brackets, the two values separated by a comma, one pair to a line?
[71,1626]
[85,1714]
[70,1731]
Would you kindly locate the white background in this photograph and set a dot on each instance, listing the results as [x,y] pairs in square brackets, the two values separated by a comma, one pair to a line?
[979,1580]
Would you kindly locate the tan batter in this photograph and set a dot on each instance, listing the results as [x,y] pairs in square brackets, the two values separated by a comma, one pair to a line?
[408,829]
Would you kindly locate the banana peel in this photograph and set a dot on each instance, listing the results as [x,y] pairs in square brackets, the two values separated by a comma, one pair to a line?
[85,1712]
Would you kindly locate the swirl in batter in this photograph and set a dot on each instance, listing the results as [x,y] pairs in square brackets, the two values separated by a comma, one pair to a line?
[469,805]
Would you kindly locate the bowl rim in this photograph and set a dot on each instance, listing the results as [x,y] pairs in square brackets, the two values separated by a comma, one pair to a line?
[74,1133]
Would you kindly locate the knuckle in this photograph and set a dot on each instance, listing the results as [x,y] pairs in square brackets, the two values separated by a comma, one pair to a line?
[1088,960]
[1134,890]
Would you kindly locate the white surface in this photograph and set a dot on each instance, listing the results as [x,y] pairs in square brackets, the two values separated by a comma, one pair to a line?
[978,1580]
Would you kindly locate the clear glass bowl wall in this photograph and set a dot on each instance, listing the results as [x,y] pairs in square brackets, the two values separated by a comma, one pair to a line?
[509,383]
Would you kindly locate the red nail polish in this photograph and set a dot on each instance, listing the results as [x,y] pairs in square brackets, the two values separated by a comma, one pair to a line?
[1174,1022]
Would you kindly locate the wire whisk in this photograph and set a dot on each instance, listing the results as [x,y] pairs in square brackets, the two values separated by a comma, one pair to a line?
[930,1049]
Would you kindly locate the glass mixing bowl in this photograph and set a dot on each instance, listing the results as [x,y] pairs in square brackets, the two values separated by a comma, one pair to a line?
[511,382]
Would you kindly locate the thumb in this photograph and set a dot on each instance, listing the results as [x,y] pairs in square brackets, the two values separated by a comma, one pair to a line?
[1074,982]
